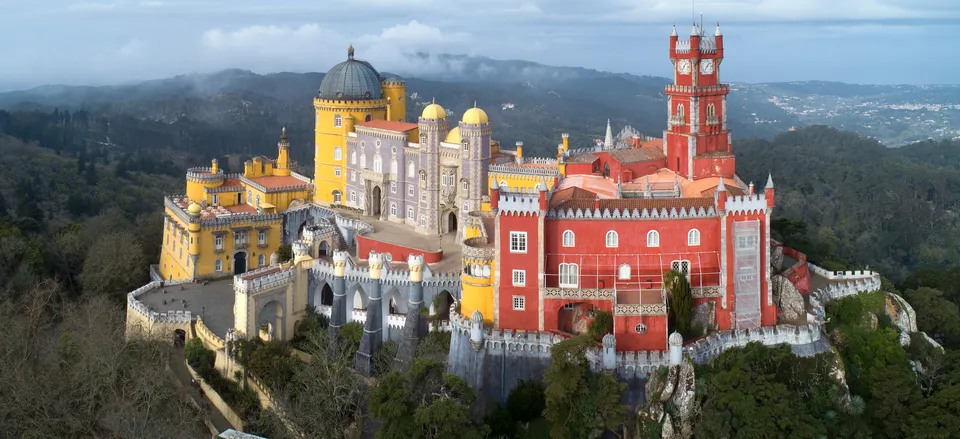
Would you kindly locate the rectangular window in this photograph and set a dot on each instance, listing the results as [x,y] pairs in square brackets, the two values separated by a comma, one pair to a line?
[518,242]
[423,221]
[353,197]
[393,187]
[337,154]
[216,200]
[353,176]
[423,196]
[393,209]
[238,238]
[336,171]
[218,242]
[410,213]
[519,303]
[519,278]
[262,237]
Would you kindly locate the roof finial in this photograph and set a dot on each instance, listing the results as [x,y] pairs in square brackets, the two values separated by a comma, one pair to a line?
[674,32]
[474,104]
[769,181]
[608,140]
[350,52]
[434,100]
[718,33]
[283,132]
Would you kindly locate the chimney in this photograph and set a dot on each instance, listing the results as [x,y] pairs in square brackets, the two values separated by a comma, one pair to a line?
[596,202]
[543,196]
[566,141]
[721,196]
[750,190]
[519,152]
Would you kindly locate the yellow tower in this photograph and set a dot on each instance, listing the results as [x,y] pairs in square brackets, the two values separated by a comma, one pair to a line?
[395,92]
[193,229]
[283,155]
[351,89]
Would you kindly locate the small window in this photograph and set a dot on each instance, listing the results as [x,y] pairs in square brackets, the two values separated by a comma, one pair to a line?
[569,239]
[337,121]
[409,213]
[394,167]
[377,164]
[693,237]
[218,242]
[238,237]
[216,200]
[423,221]
[218,265]
[568,306]
[258,200]
[363,160]
[337,197]
[518,242]
[465,186]
[261,260]
[443,179]
[353,158]
[336,171]
[569,275]
[353,197]
[262,237]
[393,187]
[337,154]
[368,118]
[466,146]
[353,176]
[624,272]
[519,278]
[612,239]
[249,196]
[410,190]
[653,238]
[519,303]
[393,209]
[640,328]
[423,177]
[411,169]
[681,113]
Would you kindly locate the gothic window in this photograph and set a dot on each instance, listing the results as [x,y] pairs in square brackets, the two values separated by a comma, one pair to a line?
[569,239]
[423,221]
[249,196]
[337,154]
[353,197]
[410,190]
[681,114]
[393,209]
[423,139]
[683,267]
[363,160]
[410,213]
[262,237]
[353,176]
[218,242]
[569,275]
[423,178]
[466,146]
[337,121]
[693,237]
[613,240]
[653,238]
[337,197]
[377,164]
[218,265]
[411,169]
[711,110]
[368,118]
[353,157]
[624,272]
[465,186]
[393,167]
[261,260]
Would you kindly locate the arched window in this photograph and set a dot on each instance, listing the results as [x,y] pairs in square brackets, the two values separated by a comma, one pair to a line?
[569,275]
[337,154]
[393,167]
[368,118]
[337,121]
[423,178]
[337,197]
[569,239]
[612,239]
[377,164]
[258,200]
[218,265]
[653,238]
[711,110]
[249,196]
[353,158]
[466,146]
[411,169]
[261,260]
[363,160]
[693,237]
[681,113]
[503,184]
[624,272]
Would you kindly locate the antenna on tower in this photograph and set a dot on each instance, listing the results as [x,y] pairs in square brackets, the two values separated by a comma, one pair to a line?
[701,22]
[693,11]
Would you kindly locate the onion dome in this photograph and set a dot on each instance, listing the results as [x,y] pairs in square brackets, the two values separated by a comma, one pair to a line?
[434,111]
[194,209]
[351,80]
[475,116]
[453,136]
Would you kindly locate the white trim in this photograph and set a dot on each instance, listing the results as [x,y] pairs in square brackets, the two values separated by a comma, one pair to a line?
[569,275]
[693,237]
[653,238]
[612,239]
[519,278]
[519,303]
[572,241]
[522,241]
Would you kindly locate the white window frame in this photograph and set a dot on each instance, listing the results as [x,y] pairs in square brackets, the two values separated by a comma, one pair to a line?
[258,200]
[393,209]
[239,238]
[465,186]
[518,242]
[693,237]
[377,163]
[218,265]
[337,121]
[623,272]
[411,170]
[519,303]
[337,153]
[249,196]
[353,157]
[410,190]
[423,220]
[363,160]
[336,171]
[353,176]
[612,239]
[217,242]
[443,179]
[569,275]
[216,200]
[653,238]
[568,239]
[393,187]
[353,197]
[261,260]
[410,212]
[519,278]
[681,266]
[393,167]
[337,197]
[262,237]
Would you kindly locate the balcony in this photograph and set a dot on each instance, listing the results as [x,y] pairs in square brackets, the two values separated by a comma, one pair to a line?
[376,177]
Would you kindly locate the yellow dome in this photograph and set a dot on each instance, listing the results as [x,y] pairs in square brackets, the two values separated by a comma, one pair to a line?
[453,136]
[194,209]
[434,111]
[475,116]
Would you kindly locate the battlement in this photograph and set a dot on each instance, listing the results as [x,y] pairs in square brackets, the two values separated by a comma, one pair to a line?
[389,276]
[634,214]
[527,170]
[746,204]
[204,175]
[172,316]
[262,279]
[844,275]
[698,90]
[519,201]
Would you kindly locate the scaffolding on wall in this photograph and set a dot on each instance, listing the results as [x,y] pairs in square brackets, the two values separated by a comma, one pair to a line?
[645,271]
[746,260]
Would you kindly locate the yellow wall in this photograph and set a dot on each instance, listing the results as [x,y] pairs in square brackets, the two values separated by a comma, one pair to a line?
[282,200]
[396,92]
[195,189]
[477,292]
[208,253]
[329,137]
[515,181]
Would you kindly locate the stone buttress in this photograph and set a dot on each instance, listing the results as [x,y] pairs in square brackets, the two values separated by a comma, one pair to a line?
[338,312]
[373,327]
[414,325]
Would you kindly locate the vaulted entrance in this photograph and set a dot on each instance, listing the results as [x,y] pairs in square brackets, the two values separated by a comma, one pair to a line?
[239,263]
[375,206]
[452,223]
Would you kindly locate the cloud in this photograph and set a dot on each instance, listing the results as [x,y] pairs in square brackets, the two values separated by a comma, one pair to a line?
[91,7]
[151,4]
[133,47]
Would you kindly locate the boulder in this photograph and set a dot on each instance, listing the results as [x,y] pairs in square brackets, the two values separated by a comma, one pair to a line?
[902,315]
[705,316]
[776,259]
[667,432]
[788,299]
[839,374]
[874,321]
[684,399]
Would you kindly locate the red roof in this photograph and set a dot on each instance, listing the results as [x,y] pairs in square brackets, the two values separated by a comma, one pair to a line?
[571,193]
[389,125]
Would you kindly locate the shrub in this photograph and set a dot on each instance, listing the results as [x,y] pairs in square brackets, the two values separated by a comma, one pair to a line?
[199,358]
[601,325]
[383,357]
[526,401]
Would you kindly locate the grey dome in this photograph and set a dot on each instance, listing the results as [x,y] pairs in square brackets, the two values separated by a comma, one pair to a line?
[351,79]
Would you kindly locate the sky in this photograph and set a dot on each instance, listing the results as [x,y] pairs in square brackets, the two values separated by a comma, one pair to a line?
[112,41]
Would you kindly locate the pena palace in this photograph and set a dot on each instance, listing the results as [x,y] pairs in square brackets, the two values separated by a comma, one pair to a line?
[534,244]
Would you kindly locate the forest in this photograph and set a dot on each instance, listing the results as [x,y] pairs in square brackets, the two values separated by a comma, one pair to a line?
[80,223]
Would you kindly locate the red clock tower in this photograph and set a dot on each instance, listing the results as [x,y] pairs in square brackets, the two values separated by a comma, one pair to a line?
[697,140]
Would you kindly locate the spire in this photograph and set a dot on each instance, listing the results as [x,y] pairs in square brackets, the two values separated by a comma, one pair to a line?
[433,101]
[674,33]
[350,52]
[721,187]
[619,188]
[694,32]
[608,140]
[717,33]
[283,133]
[769,182]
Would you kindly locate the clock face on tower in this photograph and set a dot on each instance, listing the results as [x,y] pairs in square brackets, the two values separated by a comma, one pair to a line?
[683,66]
[706,67]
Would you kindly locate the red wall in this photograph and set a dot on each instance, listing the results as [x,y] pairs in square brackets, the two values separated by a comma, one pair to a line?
[590,243]
[579,168]
[714,166]
[397,252]
[799,274]
[529,318]
[552,310]
[655,339]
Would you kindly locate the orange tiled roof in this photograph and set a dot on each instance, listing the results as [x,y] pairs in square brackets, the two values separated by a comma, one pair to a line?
[274,181]
[571,193]
[230,183]
[582,158]
[655,143]
[389,125]
[636,155]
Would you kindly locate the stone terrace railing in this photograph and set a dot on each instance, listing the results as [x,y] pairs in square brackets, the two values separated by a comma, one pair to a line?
[208,337]
[470,252]
[354,273]
[173,316]
[843,275]
[262,279]
[709,348]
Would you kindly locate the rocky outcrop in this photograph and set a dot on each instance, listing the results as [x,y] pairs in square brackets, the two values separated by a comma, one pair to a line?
[672,402]
[776,258]
[788,299]
[705,316]
[902,315]
[840,375]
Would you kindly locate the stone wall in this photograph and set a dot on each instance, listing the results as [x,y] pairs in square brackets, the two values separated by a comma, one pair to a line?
[143,321]
[231,416]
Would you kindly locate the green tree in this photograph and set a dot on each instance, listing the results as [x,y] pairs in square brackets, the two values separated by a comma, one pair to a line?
[526,401]
[681,299]
[937,316]
[579,403]
[601,325]
[114,266]
[285,253]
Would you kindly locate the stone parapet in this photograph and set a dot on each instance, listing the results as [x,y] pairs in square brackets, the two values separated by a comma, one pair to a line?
[172,316]
[355,273]
[843,275]
[634,214]
[262,279]
[211,340]
[746,204]
[712,346]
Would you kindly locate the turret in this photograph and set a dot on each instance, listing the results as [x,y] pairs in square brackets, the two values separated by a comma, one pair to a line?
[193,246]
[673,42]
[750,189]
[248,169]
[519,152]
[676,348]
[476,330]
[718,36]
[376,265]
[768,189]
[301,251]
[495,196]
[608,139]
[214,166]
[566,141]
[609,356]
[415,264]
[721,196]
[348,124]
[283,155]
[543,195]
